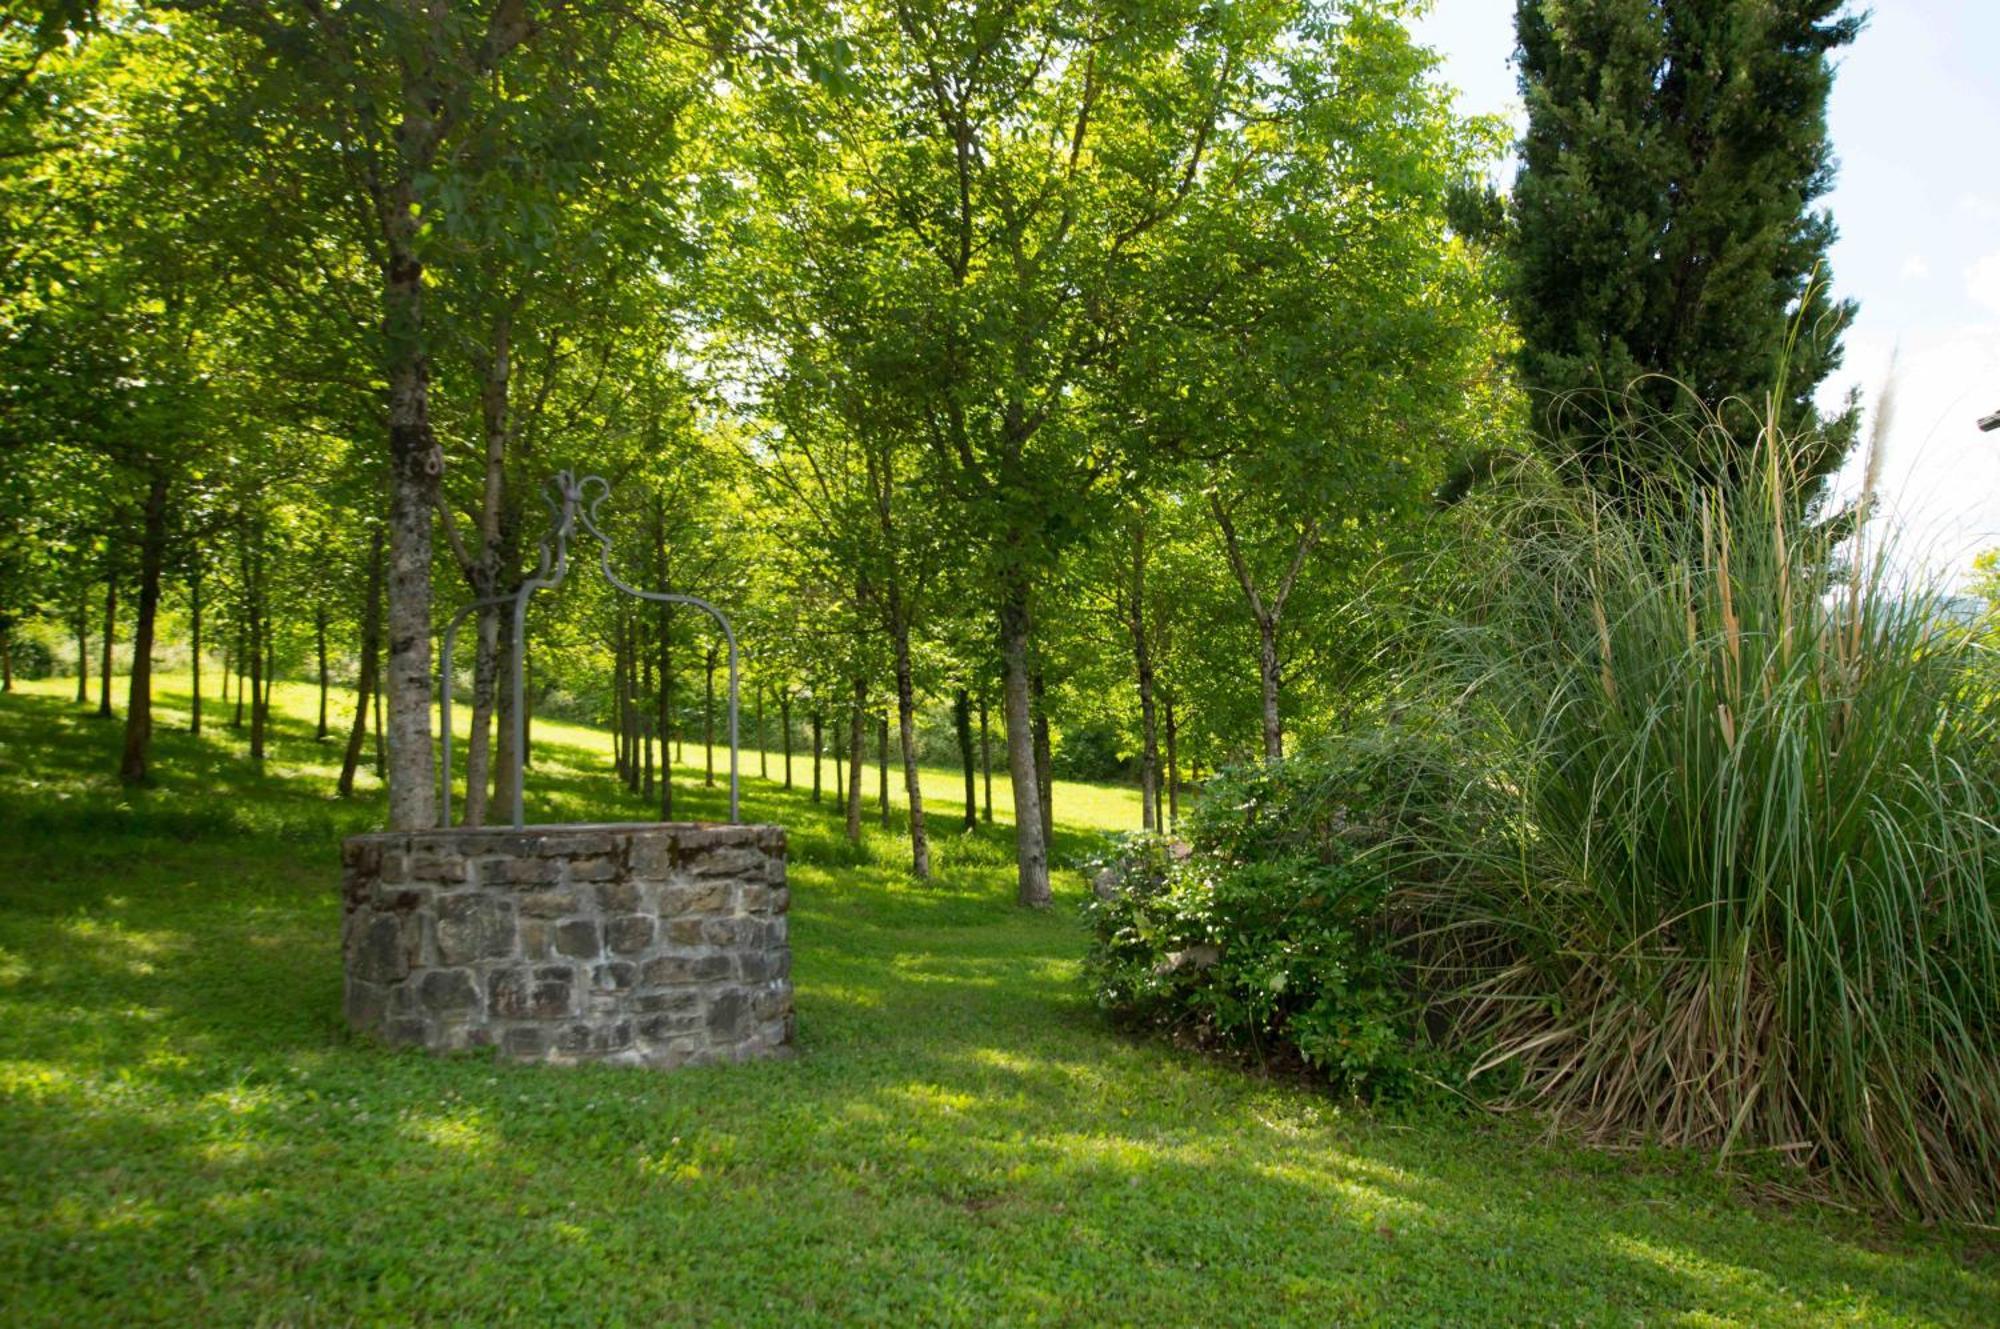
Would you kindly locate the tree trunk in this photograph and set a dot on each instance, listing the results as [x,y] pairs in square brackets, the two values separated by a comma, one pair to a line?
[367,685]
[110,631]
[906,732]
[319,640]
[1142,654]
[647,713]
[415,464]
[856,718]
[194,655]
[139,702]
[479,734]
[1031,855]
[817,720]
[666,712]
[7,658]
[242,645]
[763,749]
[961,720]
[985,762]
[708,722]
[1268,677]
[1173,771]
[83,647]
[785,723]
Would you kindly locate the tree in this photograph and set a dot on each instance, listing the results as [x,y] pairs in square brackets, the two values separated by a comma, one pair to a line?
[1665,238]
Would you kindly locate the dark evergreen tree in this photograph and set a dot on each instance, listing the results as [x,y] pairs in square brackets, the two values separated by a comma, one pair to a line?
[1666,241]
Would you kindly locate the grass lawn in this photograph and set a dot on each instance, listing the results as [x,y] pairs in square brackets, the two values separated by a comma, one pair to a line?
[193,1137]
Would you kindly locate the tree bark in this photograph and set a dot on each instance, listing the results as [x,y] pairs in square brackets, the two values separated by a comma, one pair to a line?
[646,691]
[857,716]
[961,720]
[83,647]
[415,463]
[708,722]
[381,733]
[666,711]
[139,702]
[785,723]
[985,761]
[817,720]
[763,749]
[194,655]
[110,632]
[368,684]
[1173,771]
[319,636]
[1269,682]
[1031,857]
[242,645]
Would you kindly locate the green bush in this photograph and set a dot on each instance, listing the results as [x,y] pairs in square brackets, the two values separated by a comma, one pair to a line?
[1720,865]
[1266,936]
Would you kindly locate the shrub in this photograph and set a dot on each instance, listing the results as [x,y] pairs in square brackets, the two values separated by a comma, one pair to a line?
[1721,867]
[1265,936]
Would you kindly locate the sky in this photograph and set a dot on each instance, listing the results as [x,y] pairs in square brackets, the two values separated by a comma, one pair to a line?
[1915,120]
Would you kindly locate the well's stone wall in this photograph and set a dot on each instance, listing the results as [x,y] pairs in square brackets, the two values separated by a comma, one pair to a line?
[651,945]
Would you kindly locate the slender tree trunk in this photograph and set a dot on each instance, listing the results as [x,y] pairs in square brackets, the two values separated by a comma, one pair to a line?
[856,718]
[139,702]
[485,690]
[1268,678]
[1031,855]
[365,687]
[763,749]
[906,732]
[839,774]
[785,723]
[666,711]
[110,632]
[817,750]
[985,762]
[7,658]
[617,717]
[961,720]
[83,647]
[646,691]
[708,722]
[1173,771]
[1142,654]
[194,654]
[319,636]
[242,645]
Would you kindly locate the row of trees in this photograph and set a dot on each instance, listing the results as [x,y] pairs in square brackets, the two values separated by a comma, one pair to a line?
[1064,366]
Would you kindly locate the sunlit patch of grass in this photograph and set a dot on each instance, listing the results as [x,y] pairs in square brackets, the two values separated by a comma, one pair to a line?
[959,1141]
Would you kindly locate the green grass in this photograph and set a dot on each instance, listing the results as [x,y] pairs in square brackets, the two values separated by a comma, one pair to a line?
[193,1137]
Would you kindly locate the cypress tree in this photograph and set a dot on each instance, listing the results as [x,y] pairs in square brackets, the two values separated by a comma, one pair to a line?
[1666,245]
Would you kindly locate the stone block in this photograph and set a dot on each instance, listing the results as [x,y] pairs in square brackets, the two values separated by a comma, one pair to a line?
[474,925]
[578,937]
[548,904]
[727,1013]
[617,897]
[448,992]
[628,934]
[593,869]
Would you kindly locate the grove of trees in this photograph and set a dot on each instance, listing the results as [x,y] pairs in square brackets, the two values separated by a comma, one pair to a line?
[1036,381]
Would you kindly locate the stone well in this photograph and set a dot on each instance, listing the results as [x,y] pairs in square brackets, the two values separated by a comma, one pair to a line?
[657,944]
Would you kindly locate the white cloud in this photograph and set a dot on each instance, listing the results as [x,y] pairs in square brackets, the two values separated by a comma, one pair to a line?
[1983,207]
[1916,268]
[1982,282]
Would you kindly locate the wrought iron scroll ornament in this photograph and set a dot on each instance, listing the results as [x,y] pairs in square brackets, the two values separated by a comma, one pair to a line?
[569,501]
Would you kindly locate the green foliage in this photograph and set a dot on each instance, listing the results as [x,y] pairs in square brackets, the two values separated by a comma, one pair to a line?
[1720,866]
[1665,232]
[194,1138]
[1267,935]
